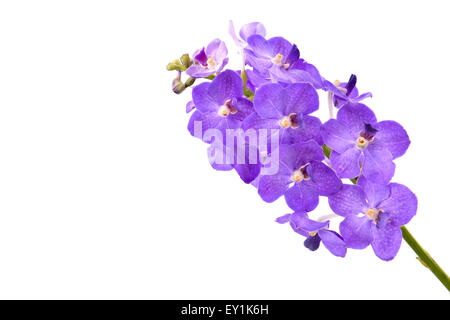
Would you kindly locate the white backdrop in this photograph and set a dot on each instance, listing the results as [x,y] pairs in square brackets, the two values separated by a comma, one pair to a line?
[104,194]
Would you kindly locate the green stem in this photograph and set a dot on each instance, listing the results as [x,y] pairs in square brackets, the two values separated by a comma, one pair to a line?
[425,258]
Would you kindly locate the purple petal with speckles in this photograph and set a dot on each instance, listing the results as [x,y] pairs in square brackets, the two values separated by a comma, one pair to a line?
[315,77]
[308,129]
[375,192]
[348,163]
[378,165]
[354,115]
[386,241]
[333,242]
[393,137]
[217,50]
[252,28]
[337,136]
[301,98]
[356,231]
[272,187]
[261,64]
[302,197]
[323,179]
[227,85]
[350,200]
[401,206]
[260,46]
[202,100]
[269,101]
[301,154]
[301,223]
[279,45]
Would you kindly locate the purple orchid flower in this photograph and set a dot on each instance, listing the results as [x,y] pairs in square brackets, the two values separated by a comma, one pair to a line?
[219,104]
[246,31]
[345,92]
[385,209]
[301,177]
[277,59]
[263,54]
[315,232]
[257,79]
[210,60]
[286,109]
[358,140]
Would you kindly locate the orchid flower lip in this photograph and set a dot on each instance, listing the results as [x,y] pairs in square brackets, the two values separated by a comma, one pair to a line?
[290,121]
[227,109]
[362,143]
[300,174]
[201,57]
[366,136]
[369,131]
[294,120]
[350,84]
[373,213]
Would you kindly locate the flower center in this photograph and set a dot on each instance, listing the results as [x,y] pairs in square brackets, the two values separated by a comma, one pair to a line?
[373,214]
[300,174]
[227,109]
[211,63]
[291,121]
[313,233]
[366,136]
[224,111]
[278,59]
[285,122]
[362,143]
[337,84]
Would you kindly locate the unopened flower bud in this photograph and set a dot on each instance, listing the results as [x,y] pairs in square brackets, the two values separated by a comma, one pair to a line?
[178,86]
[186,60]
[175,65]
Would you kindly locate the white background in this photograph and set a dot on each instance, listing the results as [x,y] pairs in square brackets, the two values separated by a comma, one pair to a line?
[104,194]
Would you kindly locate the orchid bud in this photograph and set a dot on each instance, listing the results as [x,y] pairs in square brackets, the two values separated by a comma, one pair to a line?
[178,86]
[186,60]
[175,65]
